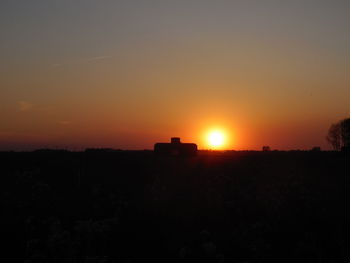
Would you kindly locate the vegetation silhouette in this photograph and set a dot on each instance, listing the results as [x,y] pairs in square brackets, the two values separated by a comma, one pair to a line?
[339,135]
[103,205]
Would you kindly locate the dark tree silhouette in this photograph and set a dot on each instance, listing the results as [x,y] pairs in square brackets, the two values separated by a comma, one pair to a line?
[334,136]
[339,135]
[345,133]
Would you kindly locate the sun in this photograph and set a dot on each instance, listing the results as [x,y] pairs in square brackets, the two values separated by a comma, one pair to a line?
[216,139]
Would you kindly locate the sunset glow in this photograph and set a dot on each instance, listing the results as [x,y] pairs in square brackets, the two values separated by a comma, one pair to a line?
[216,139]
[125,75]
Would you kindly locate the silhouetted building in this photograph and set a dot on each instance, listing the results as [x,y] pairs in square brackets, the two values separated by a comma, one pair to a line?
[316,149]
[176,148]
[266,148]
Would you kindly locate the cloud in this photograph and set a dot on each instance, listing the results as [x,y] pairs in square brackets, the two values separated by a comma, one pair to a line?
[98,58]
[83,60]
[24,106]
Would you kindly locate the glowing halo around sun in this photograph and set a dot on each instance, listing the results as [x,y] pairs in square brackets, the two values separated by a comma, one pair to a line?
[216,139]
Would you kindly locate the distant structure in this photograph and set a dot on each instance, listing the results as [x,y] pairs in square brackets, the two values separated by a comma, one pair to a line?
[316,149]
[266,148]
[175,148]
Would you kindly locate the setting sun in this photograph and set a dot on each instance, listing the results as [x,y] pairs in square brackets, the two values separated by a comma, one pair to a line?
[216,139]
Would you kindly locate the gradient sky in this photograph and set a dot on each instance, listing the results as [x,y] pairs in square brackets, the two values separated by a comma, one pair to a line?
[126,74]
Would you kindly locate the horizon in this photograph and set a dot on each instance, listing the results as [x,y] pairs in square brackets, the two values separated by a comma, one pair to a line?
[126,75]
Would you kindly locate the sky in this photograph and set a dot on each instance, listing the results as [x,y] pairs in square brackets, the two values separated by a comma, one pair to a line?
[126,74]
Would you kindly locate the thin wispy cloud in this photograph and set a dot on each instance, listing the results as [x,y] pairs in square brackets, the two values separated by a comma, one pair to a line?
[81,61]
[98,58]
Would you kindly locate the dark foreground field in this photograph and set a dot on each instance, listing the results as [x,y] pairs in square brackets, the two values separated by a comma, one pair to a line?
[133,207]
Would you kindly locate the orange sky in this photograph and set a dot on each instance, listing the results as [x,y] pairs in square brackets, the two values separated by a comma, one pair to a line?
[77,75]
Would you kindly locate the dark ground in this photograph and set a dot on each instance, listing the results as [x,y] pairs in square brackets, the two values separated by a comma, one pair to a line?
[133,206]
